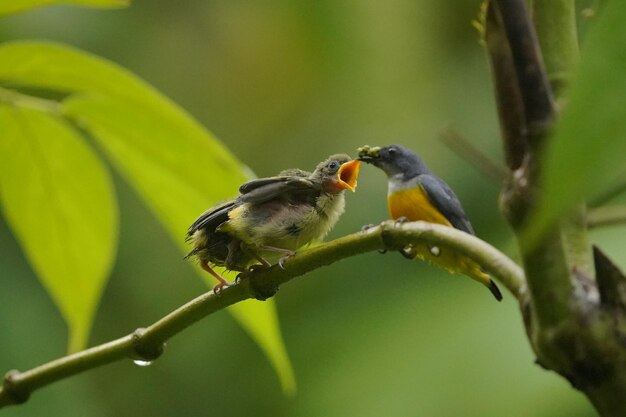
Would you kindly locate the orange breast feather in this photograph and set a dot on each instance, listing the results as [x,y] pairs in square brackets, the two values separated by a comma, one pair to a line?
[414,205]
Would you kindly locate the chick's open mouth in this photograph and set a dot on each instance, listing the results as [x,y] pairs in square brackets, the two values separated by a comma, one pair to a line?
[348,174]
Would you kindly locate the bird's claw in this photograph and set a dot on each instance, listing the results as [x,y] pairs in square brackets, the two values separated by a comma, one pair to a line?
[218,288]
[282,259]
[401,220]
[366,227]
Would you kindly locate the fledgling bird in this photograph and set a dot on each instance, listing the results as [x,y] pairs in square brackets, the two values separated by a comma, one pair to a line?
[414,193]
[274,215]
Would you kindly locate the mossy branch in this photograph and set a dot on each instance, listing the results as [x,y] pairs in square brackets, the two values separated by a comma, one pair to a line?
[147,343]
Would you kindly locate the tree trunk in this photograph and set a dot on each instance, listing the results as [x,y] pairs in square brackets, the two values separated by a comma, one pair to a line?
[574,304]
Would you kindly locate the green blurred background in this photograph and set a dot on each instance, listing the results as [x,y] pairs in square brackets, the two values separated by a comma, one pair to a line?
[284,83]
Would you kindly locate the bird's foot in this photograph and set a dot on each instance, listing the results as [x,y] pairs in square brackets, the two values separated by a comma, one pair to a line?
[219,287]
[401,220]
[282,259]
[248,272]
[282,251]
[222,281]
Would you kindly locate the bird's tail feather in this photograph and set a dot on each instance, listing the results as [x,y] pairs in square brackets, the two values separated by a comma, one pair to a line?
[494,290]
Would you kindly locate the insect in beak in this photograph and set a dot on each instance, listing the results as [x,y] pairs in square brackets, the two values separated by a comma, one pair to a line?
[368,153]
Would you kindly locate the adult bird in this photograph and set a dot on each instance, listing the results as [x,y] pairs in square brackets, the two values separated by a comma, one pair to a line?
[414,193]
[272,216]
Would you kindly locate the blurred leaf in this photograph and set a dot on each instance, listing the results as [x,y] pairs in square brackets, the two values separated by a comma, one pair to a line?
[586,154]
[59,67]
[178,171]
[59,200]
[177,167]
[263,326]
[15,6]
[160,157]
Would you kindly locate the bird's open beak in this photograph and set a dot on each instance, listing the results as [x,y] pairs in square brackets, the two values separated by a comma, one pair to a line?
[368,154]
[348,174]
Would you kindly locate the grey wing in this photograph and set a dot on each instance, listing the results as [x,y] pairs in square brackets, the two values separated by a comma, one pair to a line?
[265,189]
[294,172]
[260,182]
[255,191]
[213,217]
[444,199]
[285,175]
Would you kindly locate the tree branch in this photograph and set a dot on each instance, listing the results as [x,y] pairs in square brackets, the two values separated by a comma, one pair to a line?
[526,117]
[463,147]
[506,89]
[555,22]
[575,323]
[606,216]
[559,47]
[535,90]
[147,344]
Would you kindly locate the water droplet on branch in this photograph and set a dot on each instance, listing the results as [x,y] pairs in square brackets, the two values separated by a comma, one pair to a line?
[142,363]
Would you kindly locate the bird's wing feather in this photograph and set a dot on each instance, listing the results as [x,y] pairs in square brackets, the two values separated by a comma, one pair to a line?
[265,189]
[213,217]
[444,199]
[260,182]
[255,191]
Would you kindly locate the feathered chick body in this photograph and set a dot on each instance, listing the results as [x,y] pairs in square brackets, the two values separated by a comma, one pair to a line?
[275,215]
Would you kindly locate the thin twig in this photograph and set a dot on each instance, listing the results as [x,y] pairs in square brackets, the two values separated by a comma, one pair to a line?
[460,145]
[606,216]
[147,344]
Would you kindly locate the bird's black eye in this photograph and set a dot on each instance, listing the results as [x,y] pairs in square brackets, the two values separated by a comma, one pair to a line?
[333,165]
[392,150]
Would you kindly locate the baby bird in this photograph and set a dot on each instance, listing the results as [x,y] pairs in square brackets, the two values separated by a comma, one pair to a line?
[274,215]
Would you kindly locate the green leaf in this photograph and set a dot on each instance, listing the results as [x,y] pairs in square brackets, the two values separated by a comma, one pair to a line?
[59,201]
[267,333]
[57,67]
[263,326]
[15,6]
[586,155]
[179,173]
[177,167]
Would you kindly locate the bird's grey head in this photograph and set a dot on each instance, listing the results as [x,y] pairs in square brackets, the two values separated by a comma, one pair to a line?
[394,160]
